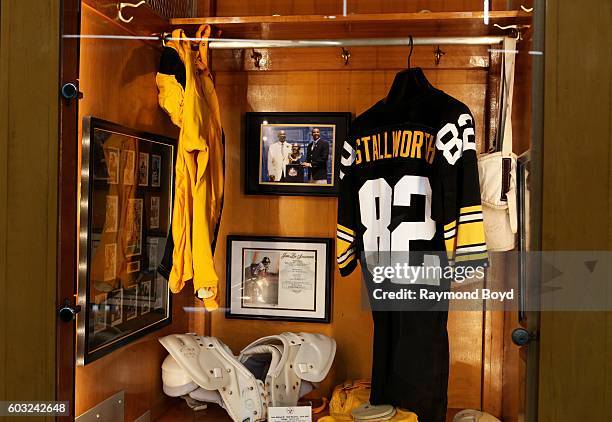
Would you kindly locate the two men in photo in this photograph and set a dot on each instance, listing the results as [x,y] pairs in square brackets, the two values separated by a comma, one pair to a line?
[282,153]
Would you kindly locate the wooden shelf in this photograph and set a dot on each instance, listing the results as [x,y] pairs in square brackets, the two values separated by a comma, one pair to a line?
[180,412]
[360,25]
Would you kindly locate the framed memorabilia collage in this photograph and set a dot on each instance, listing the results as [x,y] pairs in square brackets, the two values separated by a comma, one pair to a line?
[286,278]
[294,153]
[126,191]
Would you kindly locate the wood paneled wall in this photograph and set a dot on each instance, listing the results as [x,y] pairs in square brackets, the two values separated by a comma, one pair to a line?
[351,326]
[117,78]
[29,156]
[334,7]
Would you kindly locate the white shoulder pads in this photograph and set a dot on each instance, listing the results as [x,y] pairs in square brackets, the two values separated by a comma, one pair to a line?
[315,357]
[303,356]
[176,381]
[282,362]
[212,366]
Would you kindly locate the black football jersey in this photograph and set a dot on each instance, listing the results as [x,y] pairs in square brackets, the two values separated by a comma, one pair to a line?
[409,182]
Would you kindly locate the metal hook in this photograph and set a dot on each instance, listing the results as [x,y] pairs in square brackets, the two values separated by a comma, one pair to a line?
[164,37]
[438,55]
[346,55]
[515,29]
[121,6]
[411,49]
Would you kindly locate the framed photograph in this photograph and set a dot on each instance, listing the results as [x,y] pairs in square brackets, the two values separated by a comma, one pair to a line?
[130,301]
[125,214]
[110,261]
[279,278]
[112,160]
[115,302]
[133,229]
[133,267]
[154,214]
[155,167]
[112,204]
[153,251]
[107,167]
[144,296]
[160,282]
[143,169]
[294,153]
[99,313]
[128,167]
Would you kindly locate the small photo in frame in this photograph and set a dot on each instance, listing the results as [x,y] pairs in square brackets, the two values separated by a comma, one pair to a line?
[154,215]
[99,311]
[128,167]
[143,169]
[110,261]
[155,170]
[131,303]
[161,284]
[133,229]
[152,246]
[112,165]
[294,153]
[133,267]
[112,210]
[144,296]
[279,278]
[115,303]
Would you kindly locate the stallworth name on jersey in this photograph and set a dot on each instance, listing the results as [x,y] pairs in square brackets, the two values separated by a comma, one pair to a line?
[414,144]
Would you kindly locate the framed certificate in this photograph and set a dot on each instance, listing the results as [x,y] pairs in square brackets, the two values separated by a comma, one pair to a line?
[280,278]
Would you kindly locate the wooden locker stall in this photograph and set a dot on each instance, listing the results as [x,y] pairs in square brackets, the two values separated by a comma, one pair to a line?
[117,79]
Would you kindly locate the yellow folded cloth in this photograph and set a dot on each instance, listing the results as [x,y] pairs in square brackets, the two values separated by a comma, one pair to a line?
[400,416]
[352,394]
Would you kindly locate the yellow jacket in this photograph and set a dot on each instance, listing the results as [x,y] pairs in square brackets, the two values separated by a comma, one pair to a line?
[198,184]
[352,394]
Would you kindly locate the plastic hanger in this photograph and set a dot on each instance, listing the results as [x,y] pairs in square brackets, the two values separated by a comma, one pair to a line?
[408,83]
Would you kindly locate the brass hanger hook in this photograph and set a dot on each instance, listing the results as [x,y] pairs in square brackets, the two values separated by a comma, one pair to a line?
[121,6]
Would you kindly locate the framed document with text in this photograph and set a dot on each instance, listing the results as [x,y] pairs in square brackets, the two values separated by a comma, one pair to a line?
[280,278]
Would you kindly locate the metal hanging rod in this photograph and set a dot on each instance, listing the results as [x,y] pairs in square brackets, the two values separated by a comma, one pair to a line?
[226,43]
[231,43]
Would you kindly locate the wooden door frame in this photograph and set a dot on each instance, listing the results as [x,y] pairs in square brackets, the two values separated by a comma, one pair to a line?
[576,358]
[532,323]
[67,226]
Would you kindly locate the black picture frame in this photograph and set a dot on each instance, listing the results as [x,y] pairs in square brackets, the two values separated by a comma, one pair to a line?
[256,183]
[137,300]
[322,307]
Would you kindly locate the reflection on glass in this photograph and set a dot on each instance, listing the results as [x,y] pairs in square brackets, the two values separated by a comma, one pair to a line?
[129,218]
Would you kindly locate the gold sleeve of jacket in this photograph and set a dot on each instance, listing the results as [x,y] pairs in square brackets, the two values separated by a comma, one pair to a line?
[170,97]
